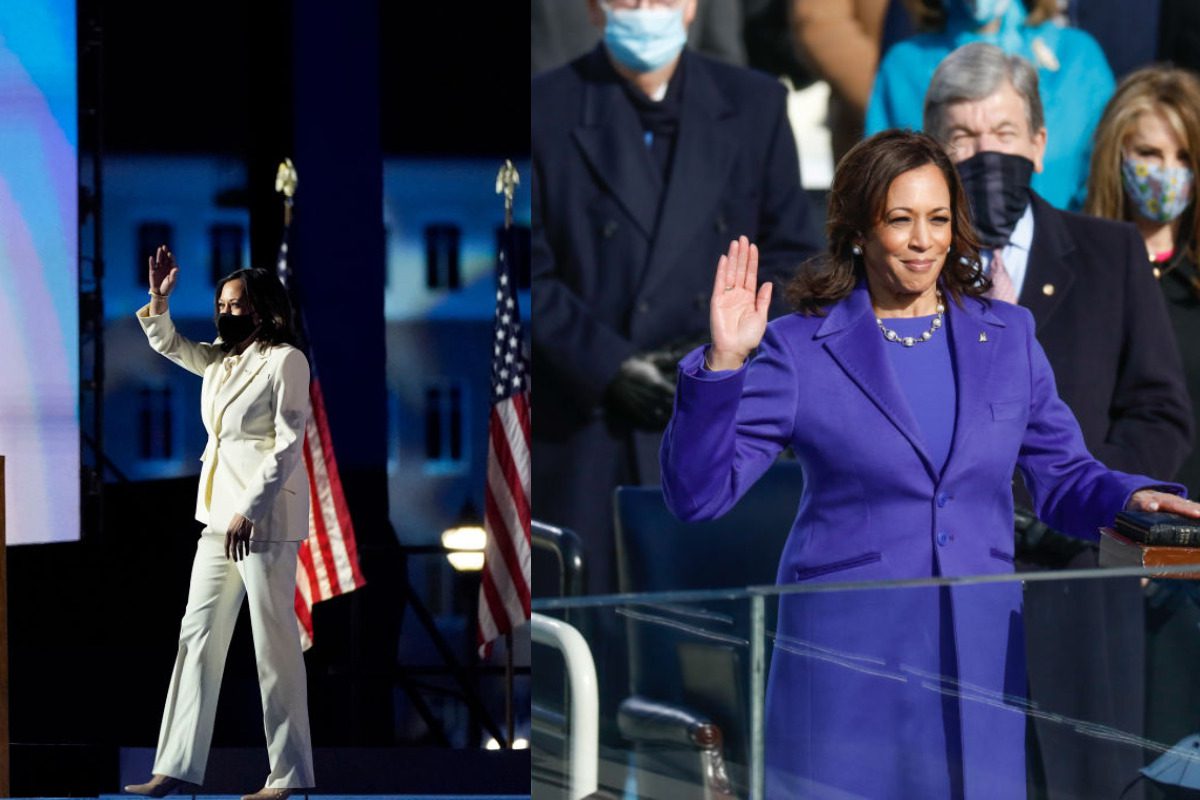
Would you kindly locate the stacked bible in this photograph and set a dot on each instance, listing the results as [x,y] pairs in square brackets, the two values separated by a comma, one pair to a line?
[1151,539]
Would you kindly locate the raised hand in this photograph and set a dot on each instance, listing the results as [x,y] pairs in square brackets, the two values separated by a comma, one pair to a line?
[163,271]
[737,312]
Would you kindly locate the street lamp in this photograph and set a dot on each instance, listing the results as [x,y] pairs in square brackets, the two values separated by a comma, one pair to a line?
[465,540]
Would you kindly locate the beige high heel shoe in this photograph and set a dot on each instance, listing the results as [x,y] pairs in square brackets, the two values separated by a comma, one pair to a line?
[160,786]
[269,794]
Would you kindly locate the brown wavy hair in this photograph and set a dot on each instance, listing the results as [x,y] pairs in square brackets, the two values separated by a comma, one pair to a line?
[856,205]
[1174,92]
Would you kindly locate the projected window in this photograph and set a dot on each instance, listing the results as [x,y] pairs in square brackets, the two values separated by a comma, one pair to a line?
[441,255]
[149,236]
[156,423]
[444,419]
[225,247]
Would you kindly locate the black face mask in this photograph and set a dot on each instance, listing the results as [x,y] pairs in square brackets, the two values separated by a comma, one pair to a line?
[997,186]
[235,329]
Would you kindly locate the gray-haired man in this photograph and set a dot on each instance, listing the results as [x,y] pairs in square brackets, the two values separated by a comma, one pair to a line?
[1101,320]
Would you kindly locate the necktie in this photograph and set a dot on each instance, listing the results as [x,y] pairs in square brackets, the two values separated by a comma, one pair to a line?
[1002,285]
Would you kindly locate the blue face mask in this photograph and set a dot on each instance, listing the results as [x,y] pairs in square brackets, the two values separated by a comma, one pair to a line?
[1158,193]
[644,39]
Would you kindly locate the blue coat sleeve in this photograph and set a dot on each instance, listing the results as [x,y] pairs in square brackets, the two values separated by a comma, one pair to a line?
[727,428]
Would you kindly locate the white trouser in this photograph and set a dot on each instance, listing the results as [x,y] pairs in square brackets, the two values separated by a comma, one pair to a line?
[268,576]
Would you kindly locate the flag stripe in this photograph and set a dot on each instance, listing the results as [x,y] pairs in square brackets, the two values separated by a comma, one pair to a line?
[521,406]
[341,576]
[318,533]
[501,558]
[349,573]
[320,529]
[508,466]
[505,521]
[307,577]
[514,416]
[303,599]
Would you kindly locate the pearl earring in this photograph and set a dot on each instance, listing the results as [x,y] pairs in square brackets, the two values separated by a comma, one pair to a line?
[856,250]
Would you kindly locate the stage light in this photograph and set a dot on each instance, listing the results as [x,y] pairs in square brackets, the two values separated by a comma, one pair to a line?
[466,540]
[465,562]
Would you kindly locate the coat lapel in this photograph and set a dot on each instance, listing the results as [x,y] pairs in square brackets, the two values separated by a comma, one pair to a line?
[610,138]
[975,333]
[253,361]
[1048,265]
[704,154]
[855,343]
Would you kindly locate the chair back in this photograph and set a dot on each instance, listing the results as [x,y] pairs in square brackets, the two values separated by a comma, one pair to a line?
[658,552]
[673,658]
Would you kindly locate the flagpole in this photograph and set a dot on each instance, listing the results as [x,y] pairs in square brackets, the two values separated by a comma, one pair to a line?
[508,687]
[506,185]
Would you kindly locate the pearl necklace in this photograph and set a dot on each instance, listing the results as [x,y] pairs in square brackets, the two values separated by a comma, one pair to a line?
[909,341]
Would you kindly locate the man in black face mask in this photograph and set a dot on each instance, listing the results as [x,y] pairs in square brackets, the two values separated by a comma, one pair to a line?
[1101,320]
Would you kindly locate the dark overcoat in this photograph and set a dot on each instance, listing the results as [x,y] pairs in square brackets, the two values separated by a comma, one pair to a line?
[616,273]
[1106,331]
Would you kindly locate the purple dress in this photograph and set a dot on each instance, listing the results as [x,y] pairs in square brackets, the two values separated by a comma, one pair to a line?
[902,692]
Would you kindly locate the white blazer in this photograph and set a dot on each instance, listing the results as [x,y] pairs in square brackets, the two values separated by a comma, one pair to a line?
[255,408]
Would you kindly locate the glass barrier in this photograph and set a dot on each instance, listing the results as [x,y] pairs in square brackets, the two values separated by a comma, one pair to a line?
[1055,684]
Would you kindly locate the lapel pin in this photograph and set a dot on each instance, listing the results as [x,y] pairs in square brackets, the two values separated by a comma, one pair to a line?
[983,336]
[1048,289]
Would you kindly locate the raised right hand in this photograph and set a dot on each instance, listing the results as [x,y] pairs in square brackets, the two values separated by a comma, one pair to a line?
[163,271]
[737,312]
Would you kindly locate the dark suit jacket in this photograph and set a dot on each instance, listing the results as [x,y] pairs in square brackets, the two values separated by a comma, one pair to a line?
[609,282]
[1096,304]
[1102,321]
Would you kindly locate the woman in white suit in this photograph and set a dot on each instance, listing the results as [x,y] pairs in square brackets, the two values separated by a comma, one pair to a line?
[253,502]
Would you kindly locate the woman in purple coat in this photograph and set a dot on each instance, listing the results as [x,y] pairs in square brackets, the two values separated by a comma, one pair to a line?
[908,397]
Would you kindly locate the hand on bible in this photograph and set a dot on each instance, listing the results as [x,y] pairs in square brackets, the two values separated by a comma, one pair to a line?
[1151,500]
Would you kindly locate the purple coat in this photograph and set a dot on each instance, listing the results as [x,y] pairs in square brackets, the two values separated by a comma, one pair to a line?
[903,692]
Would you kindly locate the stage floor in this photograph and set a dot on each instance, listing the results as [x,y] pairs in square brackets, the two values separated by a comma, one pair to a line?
[412,773]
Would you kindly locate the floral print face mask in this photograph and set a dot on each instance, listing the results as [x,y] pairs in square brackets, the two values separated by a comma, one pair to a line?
[1159,193]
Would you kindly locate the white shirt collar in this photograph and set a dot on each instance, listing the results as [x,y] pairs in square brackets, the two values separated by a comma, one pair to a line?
[1022,234]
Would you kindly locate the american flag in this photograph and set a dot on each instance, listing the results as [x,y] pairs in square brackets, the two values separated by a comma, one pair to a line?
[328,564]
[504,587]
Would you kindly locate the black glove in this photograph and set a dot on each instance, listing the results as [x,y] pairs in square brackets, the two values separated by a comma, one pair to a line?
[666,358]
[640,394]
[1038,543]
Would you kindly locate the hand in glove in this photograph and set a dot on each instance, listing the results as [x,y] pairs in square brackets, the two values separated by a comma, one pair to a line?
[640,394]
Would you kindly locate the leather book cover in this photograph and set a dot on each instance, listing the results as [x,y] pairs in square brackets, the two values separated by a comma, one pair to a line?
[1118,551]
[1158,528]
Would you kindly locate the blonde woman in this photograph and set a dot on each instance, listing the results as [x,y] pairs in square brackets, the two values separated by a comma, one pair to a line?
[1143,171]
